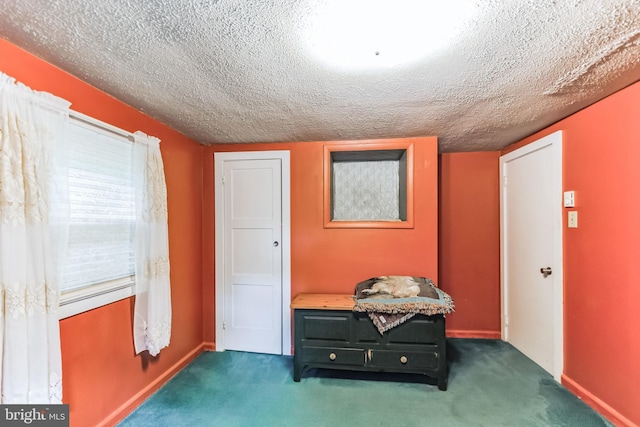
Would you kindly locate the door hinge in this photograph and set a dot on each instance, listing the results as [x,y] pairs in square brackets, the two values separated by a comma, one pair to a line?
[223,179]
[224,325]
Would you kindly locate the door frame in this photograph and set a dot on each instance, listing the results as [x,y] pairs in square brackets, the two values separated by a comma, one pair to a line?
[553,140]
[219,159]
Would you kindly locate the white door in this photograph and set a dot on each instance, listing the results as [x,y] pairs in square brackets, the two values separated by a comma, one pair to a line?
[250,294]
[531,222]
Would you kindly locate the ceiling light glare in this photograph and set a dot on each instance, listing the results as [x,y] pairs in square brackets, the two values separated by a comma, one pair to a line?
[365,34]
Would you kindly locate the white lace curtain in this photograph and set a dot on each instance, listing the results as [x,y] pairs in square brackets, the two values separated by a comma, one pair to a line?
[152,318]
[32,243]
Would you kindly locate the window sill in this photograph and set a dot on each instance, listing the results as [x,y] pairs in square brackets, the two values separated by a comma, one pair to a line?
[84,299]
[369,224]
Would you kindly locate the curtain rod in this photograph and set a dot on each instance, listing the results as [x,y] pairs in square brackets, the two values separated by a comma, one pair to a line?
[98,123]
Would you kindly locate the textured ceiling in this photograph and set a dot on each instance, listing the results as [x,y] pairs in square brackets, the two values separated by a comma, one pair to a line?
[231,71]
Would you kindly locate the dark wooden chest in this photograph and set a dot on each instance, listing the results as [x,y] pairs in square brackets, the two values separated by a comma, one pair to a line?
[342,339]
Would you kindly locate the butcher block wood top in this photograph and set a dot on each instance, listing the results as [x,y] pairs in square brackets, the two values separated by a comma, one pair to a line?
[323,301]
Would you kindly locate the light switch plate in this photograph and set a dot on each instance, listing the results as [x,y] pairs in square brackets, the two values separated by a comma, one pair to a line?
[569,199]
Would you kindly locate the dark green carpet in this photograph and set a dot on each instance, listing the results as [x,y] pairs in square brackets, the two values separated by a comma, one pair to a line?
[490,384]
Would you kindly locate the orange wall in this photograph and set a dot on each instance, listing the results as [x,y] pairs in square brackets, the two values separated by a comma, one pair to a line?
[468,230]
[469,242]
[334,260]
[100,371]
[601,147]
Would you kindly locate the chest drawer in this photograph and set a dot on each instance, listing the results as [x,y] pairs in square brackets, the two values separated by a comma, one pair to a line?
[333,355]
[409,360]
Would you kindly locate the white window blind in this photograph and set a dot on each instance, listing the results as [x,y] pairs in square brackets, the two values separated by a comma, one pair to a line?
[101,207]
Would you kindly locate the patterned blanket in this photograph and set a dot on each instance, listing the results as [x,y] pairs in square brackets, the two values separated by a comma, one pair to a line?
[391,300]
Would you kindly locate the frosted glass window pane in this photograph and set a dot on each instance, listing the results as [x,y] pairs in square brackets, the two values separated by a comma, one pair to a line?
[366,190]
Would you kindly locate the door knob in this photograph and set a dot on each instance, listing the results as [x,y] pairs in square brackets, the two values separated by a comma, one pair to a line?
[275,244]
[546,271]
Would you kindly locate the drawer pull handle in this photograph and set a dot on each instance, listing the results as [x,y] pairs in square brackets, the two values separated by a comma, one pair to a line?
[332,356]
[403,359]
